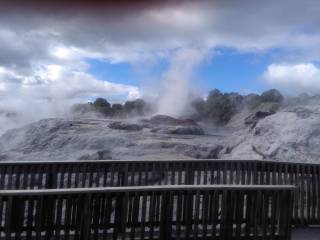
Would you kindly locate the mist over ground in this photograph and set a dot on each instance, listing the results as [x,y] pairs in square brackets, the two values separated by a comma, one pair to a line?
[178,101]
[221,125]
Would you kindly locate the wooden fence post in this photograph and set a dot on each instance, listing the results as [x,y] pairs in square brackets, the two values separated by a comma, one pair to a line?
[165,229]
[85,229]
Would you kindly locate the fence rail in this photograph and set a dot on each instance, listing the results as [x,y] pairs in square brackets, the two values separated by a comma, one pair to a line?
[113,173]
[154,212]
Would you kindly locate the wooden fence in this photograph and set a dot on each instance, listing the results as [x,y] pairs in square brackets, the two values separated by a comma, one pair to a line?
[153,212]
[42,175]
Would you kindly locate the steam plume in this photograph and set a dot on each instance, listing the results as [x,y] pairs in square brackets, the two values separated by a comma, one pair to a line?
[177,81]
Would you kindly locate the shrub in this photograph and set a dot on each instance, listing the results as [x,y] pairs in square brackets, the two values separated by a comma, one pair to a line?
[271,95]
[136,107]
[221,107]
[116,109]
[101,103]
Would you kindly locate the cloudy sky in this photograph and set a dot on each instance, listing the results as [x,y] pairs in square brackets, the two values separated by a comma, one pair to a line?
[127,49]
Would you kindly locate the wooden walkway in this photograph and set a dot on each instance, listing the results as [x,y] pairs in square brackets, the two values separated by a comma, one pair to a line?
[114,173]
[150,212]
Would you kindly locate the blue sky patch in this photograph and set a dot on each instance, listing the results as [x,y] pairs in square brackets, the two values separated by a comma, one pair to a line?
[227,70]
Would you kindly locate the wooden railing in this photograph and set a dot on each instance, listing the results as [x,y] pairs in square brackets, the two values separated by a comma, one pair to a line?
[154,212]
[81,174]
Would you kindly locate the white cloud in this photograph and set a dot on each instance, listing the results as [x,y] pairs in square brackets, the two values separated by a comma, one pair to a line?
[60,82]
[44,50]
[123,35]
[153,30]
[61,52]
[50,91]
[294,78]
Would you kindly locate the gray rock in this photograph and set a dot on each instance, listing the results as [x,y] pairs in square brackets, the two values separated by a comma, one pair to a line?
[169,125]
[125,126]
[167,120]
[100,155]
[286,134]
[301,112]
[283,136]
[61,139]
[262,111]
[186,130]
[178,130]
[212,152]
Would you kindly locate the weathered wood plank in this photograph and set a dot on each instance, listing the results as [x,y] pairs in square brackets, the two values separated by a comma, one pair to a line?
[74,174]
[223,211]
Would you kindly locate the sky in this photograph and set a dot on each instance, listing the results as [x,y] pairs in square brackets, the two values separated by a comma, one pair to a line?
[74,51]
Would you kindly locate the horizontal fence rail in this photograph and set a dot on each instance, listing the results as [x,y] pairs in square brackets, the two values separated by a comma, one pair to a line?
[154,212]
[113,173]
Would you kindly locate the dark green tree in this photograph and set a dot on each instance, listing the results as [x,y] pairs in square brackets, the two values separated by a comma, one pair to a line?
[116,109]
[271,95]
[102,105]
[136,107]
[220,107]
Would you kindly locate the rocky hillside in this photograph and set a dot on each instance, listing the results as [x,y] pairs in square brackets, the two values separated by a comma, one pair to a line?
[156,138]
[290,132]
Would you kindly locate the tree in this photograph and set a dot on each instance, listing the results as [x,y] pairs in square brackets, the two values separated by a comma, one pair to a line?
[136,107]
[221,107]
[116,109]
[271,95]
[101,103]
[252,100]
[129,107]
